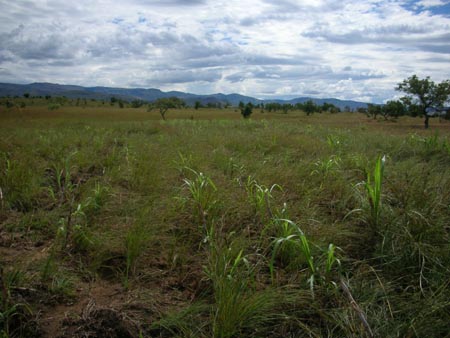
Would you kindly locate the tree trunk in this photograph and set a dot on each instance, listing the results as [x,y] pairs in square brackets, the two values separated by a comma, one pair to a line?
[163,113]
[427,117]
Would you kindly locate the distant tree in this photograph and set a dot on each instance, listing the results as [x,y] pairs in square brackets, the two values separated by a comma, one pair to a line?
[247,110]
[361,110]
[393,109]
[330,108]
[166,103]
[425,94]
[309,107]
[373,110]
[286,107]
[197,105]
[136,103]
[241,105]
[26,95]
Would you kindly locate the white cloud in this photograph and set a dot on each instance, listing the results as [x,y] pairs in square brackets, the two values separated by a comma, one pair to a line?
[431,3]
[347,49]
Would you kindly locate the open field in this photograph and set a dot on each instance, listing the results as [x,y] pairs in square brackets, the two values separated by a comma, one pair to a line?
[114,223]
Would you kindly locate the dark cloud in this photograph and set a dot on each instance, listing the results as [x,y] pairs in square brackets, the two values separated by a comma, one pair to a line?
[441,49]
[37,43]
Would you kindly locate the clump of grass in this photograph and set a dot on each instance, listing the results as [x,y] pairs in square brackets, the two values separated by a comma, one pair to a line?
[260,198]
[18,184]
[136,241]
[72,233]
[99,193]
[183,163]
[293,244]
[238,306]
[13,315]
[203,192]
[373,189]
[294,239]
[327,166]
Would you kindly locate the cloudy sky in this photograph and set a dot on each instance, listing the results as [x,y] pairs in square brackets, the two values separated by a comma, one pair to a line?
[348,49]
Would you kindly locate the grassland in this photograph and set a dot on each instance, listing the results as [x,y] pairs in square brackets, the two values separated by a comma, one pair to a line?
[114,223]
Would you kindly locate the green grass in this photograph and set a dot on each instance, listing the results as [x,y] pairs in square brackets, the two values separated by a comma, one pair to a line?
[228,224]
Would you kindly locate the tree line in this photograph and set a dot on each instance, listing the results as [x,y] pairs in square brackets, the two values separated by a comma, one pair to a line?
[423,98]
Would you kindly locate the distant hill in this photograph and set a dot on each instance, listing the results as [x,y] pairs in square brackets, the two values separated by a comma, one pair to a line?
[151,94]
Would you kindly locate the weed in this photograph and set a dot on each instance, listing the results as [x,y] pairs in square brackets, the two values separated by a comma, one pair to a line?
[135,243]
[96,201]
[183,163]
[260,197]
[373,190]
[293,242]
[325,167]
[13,315]
[202,191]
[237,305]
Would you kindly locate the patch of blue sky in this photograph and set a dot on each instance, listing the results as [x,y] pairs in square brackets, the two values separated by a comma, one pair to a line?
[419,6]
[441,10]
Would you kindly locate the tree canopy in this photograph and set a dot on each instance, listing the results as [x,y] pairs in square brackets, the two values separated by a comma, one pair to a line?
[165,103]
[425,94]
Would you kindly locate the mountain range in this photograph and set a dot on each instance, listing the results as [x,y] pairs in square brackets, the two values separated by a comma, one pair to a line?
[152,94]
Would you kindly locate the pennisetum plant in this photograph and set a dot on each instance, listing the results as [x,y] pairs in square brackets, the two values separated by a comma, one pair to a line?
[373,188]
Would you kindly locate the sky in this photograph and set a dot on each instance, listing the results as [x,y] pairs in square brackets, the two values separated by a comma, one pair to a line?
[346,49]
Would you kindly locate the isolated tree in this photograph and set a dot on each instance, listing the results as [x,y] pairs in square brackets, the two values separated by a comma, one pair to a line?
[425,94]
[247,110]
[166,103]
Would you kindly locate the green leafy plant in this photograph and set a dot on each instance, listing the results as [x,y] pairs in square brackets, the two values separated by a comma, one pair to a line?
[260,197]
[327,166]
[183,163]
[96,201]
[298,238]
[203,191]
[373,188]
[293,242]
